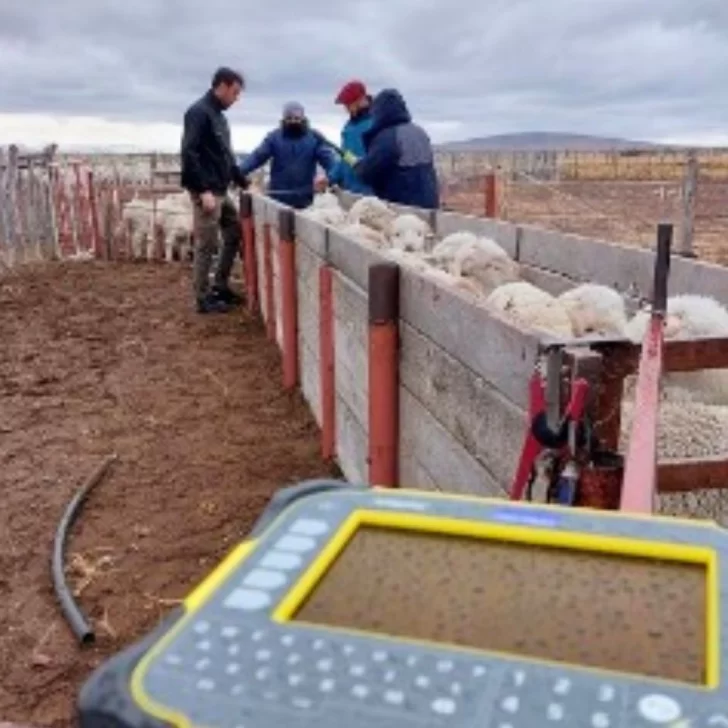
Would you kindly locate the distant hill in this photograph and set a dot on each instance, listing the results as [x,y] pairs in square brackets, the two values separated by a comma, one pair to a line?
[542,140]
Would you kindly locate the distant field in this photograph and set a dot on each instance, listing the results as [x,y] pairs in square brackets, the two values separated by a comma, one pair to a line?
[622,211]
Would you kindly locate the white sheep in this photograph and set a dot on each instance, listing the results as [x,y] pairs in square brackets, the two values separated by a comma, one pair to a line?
[595,309]
[326,200]
[530,307]
[411,233]
[443,278]
[364,234]
[331,216]
[486,262]
[175,217]
[137,215]
[444,251]
[373,212]
[688,317]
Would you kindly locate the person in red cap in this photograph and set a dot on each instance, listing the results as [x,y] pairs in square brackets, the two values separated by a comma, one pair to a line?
[357,101]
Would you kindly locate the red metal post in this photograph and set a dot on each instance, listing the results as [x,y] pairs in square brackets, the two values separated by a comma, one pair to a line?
[640,472]
[383,368]
[250,263]
[270,308]
[326,362]
[289,296]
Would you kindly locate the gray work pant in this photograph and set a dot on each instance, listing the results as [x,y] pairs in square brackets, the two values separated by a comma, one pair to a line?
[208,227]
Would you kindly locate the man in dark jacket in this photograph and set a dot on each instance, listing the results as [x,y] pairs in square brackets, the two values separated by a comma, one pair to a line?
[208,168]
[294,150]
[399,164]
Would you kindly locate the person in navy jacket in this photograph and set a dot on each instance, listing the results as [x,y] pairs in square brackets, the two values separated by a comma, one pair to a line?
[357,101]
[399,163]
[294,150]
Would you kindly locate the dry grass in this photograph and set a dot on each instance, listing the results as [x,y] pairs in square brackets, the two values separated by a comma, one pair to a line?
[625,211]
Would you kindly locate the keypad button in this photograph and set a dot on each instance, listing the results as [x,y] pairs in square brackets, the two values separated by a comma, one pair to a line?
[296,544]
[265,579]
[606,693]
[247,600]
[444,706]
[284,560]
[659,709]
[394,697]
[309,527]
[555,712]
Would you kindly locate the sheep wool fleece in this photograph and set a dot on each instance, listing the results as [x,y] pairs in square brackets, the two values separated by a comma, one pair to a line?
[399,164]
[208,226]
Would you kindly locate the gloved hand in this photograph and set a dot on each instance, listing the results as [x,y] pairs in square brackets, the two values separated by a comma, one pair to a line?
[350,158]
[240,179]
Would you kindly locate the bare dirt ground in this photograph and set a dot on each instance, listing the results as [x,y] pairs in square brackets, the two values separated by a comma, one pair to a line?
[96,358]
[624,211]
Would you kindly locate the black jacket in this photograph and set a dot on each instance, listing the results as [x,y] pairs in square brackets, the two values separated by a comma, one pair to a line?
[208,162]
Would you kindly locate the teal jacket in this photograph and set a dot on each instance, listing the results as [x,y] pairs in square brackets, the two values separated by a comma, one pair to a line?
[352,140]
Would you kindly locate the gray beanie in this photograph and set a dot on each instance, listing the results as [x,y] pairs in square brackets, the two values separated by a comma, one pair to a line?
[293,108]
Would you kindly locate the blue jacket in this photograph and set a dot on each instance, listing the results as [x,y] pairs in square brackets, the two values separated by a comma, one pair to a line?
[399,164]
[293,165]
[352,140]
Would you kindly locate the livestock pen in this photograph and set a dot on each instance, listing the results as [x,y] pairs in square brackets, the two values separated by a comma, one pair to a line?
[462,372]
[408,381]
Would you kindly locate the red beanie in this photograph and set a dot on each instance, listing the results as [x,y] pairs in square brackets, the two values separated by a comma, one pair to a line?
[351,92]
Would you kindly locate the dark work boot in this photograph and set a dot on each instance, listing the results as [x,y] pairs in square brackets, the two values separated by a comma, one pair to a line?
[227,295]
[211,304]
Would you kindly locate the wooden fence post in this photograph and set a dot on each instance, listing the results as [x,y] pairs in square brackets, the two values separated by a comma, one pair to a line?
[94,215]
[327,362]
[383,368]
[270,308]
[491,209]
[250,263]
[11,201]
[289,296]
[4,222]
[689,191]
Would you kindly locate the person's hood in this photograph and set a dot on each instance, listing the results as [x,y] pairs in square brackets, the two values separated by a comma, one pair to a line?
[388,109]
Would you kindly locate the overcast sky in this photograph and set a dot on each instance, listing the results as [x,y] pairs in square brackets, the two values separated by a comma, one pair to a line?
[122,72]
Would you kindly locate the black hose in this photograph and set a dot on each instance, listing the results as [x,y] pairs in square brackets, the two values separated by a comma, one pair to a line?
[78,623]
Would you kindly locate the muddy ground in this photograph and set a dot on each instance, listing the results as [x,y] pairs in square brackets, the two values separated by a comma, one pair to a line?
[99,358]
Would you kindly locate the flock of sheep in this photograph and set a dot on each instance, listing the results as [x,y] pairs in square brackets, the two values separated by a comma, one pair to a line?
[694,411]
[173,216]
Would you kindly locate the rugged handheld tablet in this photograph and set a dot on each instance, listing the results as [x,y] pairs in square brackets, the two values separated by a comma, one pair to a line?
[369,608]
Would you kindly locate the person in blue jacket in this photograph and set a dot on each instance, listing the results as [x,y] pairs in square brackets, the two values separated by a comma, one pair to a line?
[399,163]
[357,101]
[294,150]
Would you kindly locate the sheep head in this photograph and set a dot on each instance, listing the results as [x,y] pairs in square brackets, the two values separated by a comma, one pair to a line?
[409,233]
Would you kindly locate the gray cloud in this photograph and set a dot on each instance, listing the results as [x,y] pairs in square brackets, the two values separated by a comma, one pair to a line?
[636,68]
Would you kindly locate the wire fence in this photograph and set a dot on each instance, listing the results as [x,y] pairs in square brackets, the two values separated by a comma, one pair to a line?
[693,196]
